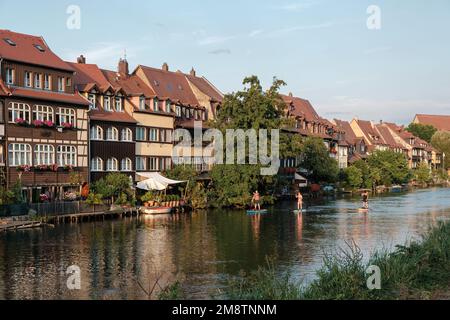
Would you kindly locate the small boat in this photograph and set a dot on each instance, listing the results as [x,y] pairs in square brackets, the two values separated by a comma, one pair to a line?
[155,210]
[300,211]
[396,189]
[257,211]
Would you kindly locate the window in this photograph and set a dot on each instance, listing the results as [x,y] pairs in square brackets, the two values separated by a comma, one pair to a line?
[155,105]
[91,98]
[10,42]
[118,104]
[43,113]
[65,116]
[112,134]
[178,111]
[140,134]
[126,165]
[47,82]
[9,76]
[39,47]
[37,80]
[96,133]
[112,164]
[44,154]
[127,135]
[68,82]
[19,111]
[67,156]
[154,164]
[166,164]
[168,106]
[107,103]
[27,79]
[142,103]
[61,84]
[97,164]
[162,137]
[19,154]
[153,133]
[140,164]
[169,136]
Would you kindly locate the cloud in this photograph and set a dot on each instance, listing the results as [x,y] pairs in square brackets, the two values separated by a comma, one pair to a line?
[220,51]
[215,40]
[254,33]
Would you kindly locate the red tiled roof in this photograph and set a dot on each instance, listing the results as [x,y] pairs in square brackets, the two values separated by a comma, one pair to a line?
[440,122]
[170,85]
[387,136]
[49,96]
[206,87]
[350,136]
[101,115]
[132,85]
[25,51]
[301,108]
[88,76]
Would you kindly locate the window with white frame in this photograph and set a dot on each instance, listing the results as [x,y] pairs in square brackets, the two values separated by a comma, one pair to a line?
[153,134]
[67,155]
[142,103]
[107,103]
[96,133]
[140,164]
[65,116]
[44,154]
[155,104]
[61,84]
[140,134]
[27,79]
[162,137]
[112,164]
[91,98]
[168,106]
[19,154]
[37,80]
[126,165]
[9,76]
[47,82]
[119,104]
[169,136]
[19,111]
[97,164]
[153,164]
[178,111]
[112,134]
[127,135]
[43,113]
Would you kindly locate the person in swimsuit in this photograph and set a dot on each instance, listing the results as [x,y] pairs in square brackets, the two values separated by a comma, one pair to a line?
[299,197]
[365,200]
[256,201]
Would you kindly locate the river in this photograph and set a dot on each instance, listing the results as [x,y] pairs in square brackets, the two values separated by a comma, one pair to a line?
[203,249]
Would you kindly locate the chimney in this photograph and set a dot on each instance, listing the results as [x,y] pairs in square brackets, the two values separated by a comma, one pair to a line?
[123,67]
[81,59]
[165,67]
[290,94]
[193,73]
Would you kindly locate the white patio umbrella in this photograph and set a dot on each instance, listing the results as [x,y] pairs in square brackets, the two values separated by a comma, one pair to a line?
[151,184]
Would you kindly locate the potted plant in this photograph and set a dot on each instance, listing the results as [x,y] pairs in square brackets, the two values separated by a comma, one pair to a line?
[68,167]
[38,123]
[21,122]
[49,124]
[41,167]
[24,168]
[53,167]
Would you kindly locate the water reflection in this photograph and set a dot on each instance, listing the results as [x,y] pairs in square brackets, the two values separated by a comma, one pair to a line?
[205,247]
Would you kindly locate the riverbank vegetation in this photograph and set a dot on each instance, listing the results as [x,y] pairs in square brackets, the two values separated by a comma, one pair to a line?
[419,270]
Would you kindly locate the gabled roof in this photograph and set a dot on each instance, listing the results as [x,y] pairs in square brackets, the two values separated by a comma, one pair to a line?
[169,85]
[440,122]
[301,108]
[88,77]
[370,132]
[132,85]
[387,136]
[206,87]
[25,50]
[101,115]
[350,135]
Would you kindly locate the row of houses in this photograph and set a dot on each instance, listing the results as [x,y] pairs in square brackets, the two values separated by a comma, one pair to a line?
[65,123]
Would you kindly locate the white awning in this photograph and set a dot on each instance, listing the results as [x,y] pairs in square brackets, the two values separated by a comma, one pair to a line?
[155,181]
[299,177]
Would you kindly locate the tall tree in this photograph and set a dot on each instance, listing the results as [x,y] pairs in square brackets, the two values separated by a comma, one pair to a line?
[391,167]
[423,131]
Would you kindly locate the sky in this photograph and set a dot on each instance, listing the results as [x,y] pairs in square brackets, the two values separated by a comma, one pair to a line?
[322,49]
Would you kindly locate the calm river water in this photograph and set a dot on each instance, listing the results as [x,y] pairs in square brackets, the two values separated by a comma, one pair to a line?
[203,249]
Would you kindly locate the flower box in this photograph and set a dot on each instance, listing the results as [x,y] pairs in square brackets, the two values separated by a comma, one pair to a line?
[24,168]
[21,122]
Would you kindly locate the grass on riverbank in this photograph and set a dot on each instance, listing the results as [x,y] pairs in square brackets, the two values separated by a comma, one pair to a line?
[415,271]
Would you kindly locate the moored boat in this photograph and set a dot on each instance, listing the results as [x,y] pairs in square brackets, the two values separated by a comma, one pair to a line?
[155,210]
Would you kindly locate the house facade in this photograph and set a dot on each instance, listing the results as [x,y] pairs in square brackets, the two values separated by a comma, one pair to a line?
[44,131]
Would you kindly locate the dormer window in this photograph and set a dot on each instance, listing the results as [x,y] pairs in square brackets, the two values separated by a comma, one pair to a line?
[9,76]
[168,106]
[119,104]
[37,80]
[155,105]
[61,82]
[10,42]
[107,103]
[178,111]
[39,47]
[142,103]
[47,81]
[91,98]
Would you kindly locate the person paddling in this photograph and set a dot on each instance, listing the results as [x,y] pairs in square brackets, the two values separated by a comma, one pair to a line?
[299,197]
[256,200]
[365,199]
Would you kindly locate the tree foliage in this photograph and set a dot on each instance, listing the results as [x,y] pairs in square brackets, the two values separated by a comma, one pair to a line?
[315,158]
[389,167]
[353,177]
[423,131]
[441,141]
[114,186]
[422,173]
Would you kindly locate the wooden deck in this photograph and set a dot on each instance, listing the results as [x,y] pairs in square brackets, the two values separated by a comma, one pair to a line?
[19,225]
[91,216]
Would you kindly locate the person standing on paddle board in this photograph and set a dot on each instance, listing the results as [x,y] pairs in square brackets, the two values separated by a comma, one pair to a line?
[365,199]
[256,200]
[299,197]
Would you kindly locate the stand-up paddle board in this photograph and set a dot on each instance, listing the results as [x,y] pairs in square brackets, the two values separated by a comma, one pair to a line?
[256,211]
[363,210]
[300,211]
